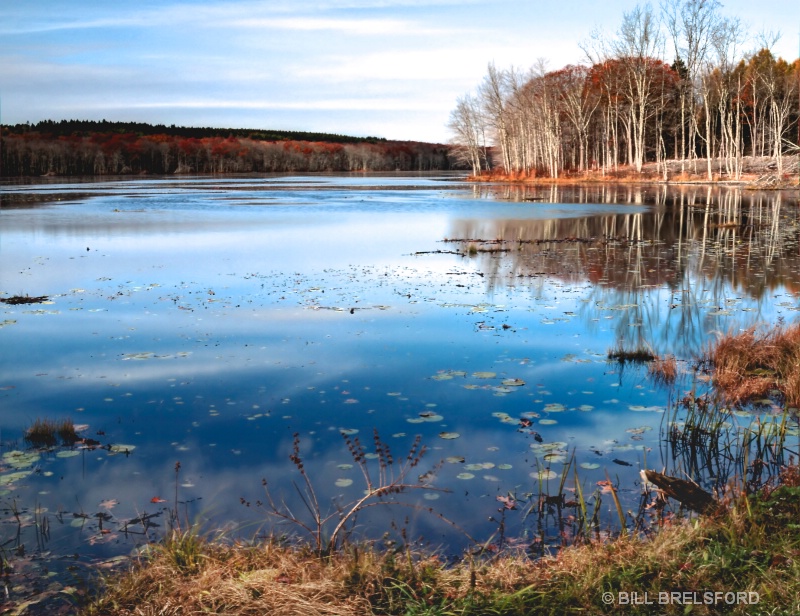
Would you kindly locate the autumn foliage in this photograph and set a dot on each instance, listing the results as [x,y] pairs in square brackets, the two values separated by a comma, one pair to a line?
[73,148]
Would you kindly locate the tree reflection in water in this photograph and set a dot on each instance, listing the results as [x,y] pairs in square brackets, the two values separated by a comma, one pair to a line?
[670,272]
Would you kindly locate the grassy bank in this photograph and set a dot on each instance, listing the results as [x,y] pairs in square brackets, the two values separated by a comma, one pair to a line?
[753,547]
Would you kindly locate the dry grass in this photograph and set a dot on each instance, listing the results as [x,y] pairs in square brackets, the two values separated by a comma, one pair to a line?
[232,579]
[664,369]
[638,355]
[754,364]
[749,548]
[49,432]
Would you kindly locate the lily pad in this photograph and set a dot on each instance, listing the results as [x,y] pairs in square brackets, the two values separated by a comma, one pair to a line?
[343,483]
[449,435]
[589,466]
[484,375]
[513,382]
[12,477]
[20,459]
[465,476]
[479,466]
[69,453]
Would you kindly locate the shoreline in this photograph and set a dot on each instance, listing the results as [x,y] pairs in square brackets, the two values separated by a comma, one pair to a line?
[757,174]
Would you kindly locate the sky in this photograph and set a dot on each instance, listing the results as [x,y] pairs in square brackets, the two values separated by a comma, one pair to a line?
[384,68]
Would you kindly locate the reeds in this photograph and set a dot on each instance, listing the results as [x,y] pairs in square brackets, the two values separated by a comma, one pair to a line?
[640,354]
[757,364]
[664,369]
[45,433]
[329,530]
[709,445]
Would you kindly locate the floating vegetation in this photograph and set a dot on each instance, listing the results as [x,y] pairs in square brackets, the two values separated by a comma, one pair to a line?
[430,416]
[639,408]
[68,453]
[446,375]
[16,300]
[484,375]
[20,459]
[480,466]
[448,436]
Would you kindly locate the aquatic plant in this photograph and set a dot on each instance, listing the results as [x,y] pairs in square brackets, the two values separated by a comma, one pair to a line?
[51,432]
[708,444]
[664,369]
[640,354]
[329,530]
[757,363]
[16,300]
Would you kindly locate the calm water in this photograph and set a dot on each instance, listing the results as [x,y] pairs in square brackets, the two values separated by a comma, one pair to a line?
[205,321]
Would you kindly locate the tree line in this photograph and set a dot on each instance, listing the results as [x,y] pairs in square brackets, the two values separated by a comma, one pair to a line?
[72,148]
[627,106]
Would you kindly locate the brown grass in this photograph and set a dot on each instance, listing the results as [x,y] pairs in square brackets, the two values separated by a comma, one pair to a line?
[232,579]
[639,354]
[49,432]
[664,369]
[748,548]
[757,363]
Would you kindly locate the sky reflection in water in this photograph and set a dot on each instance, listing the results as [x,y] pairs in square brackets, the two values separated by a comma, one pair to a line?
[206,320]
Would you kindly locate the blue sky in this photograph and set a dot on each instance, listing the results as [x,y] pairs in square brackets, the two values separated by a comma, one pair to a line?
[390,68]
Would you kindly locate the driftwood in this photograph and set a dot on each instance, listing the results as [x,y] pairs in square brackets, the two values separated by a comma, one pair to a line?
[685,492]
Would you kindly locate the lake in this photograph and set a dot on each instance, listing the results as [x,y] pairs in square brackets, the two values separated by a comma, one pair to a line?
[193,326]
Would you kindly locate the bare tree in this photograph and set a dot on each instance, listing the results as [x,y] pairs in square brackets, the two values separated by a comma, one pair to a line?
[638,45]
[493,94]
[691,25]
[469,129]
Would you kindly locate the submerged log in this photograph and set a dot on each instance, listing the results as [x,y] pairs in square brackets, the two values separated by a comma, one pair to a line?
[685,492]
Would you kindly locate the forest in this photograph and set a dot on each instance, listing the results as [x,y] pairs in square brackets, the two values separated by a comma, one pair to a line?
[74,147]
[714,105]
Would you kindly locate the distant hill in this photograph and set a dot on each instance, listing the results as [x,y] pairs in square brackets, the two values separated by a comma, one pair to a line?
[66,128]
[85,147]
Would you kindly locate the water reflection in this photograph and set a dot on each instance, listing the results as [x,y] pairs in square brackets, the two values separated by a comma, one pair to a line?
[679,269]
